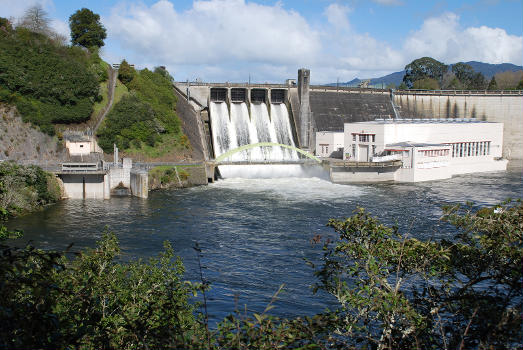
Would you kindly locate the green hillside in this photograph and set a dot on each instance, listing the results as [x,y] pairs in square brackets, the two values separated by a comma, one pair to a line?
[48,82]
[143,122]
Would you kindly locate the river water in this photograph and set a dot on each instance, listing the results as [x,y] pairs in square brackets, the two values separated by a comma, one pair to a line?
[256,233]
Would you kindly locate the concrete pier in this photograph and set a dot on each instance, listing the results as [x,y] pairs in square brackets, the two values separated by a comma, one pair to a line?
[97,181]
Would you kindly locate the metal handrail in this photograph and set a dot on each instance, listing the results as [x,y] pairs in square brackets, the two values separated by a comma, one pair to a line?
[459,92]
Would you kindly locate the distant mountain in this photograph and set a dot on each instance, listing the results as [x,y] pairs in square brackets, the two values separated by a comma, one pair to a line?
[487,69]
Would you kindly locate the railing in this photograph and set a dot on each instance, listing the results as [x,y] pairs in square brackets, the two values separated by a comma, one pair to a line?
[386,158]
[80,167]
[227,84]
[347,89]
[460,92]
[347,164]
[268,162]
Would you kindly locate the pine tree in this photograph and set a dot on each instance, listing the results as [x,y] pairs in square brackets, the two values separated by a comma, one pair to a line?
[493,85]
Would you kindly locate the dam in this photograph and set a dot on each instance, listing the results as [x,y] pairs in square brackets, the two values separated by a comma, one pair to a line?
[219,117]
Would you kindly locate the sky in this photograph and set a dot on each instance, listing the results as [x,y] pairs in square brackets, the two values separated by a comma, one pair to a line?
[268,40]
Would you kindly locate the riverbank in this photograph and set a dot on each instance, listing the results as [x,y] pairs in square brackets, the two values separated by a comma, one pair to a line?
[24,189]
[177,176]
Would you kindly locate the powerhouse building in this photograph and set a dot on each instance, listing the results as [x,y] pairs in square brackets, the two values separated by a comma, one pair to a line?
[429,149]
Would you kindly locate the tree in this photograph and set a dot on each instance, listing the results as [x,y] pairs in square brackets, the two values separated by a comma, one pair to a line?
[36,19]
[426,84]
[450,82]
[508,80]
[126,73]
[86,29]
[425,67]
[397,292]
[493,85]
[5,24]
[163,72]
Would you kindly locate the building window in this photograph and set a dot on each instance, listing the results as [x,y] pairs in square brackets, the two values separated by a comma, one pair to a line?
[373,149]
[353,137]
[354,150]
[366,137]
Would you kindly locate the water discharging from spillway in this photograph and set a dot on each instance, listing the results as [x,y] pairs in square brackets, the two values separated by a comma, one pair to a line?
[235,128]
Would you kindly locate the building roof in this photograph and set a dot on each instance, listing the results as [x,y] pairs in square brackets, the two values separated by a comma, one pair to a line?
[423,121]
[415,144]
[77,138]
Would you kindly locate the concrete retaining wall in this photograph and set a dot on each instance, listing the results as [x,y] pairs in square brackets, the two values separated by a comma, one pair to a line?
[139,184]
[119,175]
[359,174]
[79,186]
[496,108]
[191,126]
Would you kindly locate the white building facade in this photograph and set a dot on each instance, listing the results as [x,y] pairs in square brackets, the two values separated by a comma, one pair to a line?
[329,144]
[429,149]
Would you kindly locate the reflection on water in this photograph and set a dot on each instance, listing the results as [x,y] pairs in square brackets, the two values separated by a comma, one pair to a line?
[255,233]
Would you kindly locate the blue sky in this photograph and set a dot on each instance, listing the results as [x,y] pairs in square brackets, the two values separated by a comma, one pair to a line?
[230,40]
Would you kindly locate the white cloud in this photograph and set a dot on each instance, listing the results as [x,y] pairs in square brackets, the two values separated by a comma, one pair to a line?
[228,40]
[16,8]
[60,27]
[214,32]
[444,39]
[337,15]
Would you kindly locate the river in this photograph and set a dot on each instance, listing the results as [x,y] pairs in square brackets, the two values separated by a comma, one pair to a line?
[256,233]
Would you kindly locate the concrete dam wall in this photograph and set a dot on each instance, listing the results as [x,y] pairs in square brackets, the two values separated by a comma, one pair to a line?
[332,108]
[505,107]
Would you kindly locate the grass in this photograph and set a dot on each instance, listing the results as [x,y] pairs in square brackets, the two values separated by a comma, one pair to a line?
[169,144]
[168,174]
[119,91]
[98,106]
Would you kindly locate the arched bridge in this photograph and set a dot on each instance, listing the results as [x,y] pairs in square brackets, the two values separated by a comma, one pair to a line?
[222,159]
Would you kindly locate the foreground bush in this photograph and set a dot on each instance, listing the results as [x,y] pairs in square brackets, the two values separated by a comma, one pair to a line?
[394,292]
[397,292]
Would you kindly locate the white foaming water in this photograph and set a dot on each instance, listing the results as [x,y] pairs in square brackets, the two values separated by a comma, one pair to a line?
[224,132]
[269,171]
[294,189]
[282,128]
[241,129]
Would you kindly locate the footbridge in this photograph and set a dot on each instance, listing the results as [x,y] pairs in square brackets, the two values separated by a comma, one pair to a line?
[224,159]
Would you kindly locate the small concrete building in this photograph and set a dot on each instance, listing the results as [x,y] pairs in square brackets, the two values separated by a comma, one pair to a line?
[80,145]
[329,144]
[429,149]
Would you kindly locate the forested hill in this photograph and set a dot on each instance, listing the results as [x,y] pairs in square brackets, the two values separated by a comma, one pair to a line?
[143,123]
[47,81]
[56,87]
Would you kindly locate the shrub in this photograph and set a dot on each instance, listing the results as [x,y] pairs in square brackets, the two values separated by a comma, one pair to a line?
[398,292]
